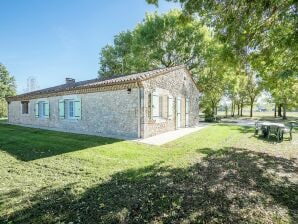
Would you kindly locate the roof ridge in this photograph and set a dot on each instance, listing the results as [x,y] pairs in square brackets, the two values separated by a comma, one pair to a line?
[145,71]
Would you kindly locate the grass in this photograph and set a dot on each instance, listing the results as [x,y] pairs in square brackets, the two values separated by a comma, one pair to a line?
[222,174]
[3,119]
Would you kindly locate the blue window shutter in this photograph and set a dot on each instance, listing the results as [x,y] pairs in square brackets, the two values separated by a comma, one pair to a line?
[47,109]
[37,109]
[78,109]
[61,109]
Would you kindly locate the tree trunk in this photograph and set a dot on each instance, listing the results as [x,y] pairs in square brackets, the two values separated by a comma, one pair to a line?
[215,110]
[251,107]
[232,111]
[279,110]
[212,110]
[275,110]
[226,111]
[241,109]
[284,116]
[238,108]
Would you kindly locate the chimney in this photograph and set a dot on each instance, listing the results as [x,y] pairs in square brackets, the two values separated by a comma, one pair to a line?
[69,81]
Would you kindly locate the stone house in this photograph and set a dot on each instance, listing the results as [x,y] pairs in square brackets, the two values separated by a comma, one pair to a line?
[133,106]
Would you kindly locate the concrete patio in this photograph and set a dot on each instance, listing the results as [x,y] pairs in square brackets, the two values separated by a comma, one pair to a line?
[171,136]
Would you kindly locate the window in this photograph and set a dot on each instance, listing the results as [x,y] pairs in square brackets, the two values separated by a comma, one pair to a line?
[159,106]
[155,105]
[42,109]
[70,109]
[25,107]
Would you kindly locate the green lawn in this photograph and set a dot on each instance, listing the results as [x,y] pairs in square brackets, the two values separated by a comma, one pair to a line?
[3,119]
[222,174]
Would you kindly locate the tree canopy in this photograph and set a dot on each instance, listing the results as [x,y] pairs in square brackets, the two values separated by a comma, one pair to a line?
[167,40]
[234,49]
[260,34]
[7,88]
[245,22]
[159,41]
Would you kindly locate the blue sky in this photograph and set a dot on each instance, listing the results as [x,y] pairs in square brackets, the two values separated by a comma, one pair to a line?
[54,39]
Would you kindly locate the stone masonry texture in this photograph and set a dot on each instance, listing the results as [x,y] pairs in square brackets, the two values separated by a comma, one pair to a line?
[120,113]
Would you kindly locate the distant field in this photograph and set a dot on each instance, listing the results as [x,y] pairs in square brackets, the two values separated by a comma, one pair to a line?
[263,114]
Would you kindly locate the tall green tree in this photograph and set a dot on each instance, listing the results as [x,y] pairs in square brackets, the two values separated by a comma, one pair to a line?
[232,91]
[122,57]
[213,76]
[262,33]
[159,41]
[278,68]
[7,88]
[172,39]
[253,88]
[283,88]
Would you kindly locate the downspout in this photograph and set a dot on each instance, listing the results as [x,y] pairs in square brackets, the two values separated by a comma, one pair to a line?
[139,108]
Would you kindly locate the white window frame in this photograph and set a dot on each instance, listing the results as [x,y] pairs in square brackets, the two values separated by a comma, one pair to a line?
[155,105]
[64,108]
[158,106]
[42,109]
[68,103]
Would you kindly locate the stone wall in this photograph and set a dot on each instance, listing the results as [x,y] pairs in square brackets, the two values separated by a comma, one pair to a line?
[177,83]
[116,112]
[109,113]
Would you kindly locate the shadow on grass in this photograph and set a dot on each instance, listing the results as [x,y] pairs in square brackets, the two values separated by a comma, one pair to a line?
[28,144]
[248,129]
[272,138]
[231,185]
[11,194]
